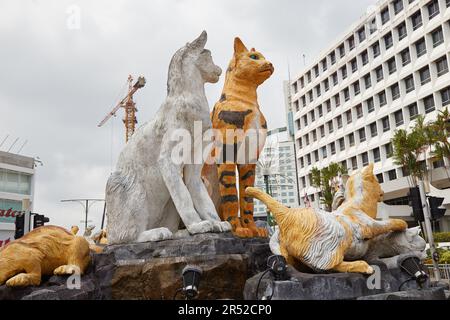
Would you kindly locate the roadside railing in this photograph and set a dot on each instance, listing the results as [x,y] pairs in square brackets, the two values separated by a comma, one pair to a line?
[444,270]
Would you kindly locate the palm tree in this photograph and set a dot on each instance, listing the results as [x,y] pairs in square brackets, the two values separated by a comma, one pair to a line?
[325,180]
[441,132]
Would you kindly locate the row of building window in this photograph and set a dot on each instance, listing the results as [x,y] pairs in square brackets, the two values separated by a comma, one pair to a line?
[415,22]
[379,73]
[405,86]
[365,133]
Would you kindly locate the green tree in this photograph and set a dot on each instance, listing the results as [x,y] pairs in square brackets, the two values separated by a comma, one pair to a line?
[441,134]
[324,180]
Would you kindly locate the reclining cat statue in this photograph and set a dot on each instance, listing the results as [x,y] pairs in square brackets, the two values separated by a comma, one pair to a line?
[334,241]
[46,250]
[149,192]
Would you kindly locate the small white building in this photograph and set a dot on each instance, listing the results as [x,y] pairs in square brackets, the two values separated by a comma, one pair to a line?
[277,161]
[16,185]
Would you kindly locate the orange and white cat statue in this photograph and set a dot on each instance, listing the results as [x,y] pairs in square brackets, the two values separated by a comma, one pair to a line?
[334,241]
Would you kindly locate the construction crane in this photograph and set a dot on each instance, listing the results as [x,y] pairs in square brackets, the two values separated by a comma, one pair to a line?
[130,107]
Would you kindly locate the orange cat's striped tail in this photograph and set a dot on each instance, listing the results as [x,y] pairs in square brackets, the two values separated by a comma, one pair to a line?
[278,210]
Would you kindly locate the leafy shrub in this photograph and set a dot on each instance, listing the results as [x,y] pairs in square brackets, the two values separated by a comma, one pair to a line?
[442,237]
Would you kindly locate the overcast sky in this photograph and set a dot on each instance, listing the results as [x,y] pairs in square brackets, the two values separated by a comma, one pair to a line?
[58,81]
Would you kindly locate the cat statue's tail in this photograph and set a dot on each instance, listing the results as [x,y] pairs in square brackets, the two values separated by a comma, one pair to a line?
[277,209]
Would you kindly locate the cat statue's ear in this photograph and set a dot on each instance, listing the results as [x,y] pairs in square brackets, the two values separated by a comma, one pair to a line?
[239,46]
[368,171]
[199,44]
[413,232]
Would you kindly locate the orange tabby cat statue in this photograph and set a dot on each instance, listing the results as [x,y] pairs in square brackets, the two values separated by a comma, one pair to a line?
[333,241]
[238,112]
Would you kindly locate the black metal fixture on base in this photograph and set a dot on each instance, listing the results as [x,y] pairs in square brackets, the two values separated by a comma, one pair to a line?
[277,266]
[191,282]
[412,265]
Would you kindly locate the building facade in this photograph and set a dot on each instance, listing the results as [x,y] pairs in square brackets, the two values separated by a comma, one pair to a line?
[16,185]
[391,66]
[277,163]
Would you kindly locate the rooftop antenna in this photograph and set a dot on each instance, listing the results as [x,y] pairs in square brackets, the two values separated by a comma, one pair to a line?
[304,60]
[15,141]
[4,140]
[23,145]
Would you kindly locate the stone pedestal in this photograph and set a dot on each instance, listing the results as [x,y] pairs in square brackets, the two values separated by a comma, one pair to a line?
[153,270]
[338,286]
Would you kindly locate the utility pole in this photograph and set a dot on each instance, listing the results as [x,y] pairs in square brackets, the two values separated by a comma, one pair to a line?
[86,203]
[429,231]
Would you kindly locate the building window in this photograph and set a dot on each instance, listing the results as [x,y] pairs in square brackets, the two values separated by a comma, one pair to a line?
[433,9]
[438,37]
[308,158]
[406,57]
[307,139]
[367,81]
[398,6]
[370,105]
[395,91]
[409,83]
[305,121]
[392,175]
[421,47]
[356,88]
[413,111]
[302,163]
[379,73]
[337,100]
[362,135]
[346,94]
[402,31]
[344,72]
[380,178]
[385,124]
[316,155]
[339,122]
[428,103]
[441,66]
[362,34]
[351,139]
[416,20]
[365,58]
[333,57]
[398,116]
[373,129]
[424,74]
[365,159]
[328,103]
[303,101]
[333,148]
[354,64]
[385,15]
[392,67]
[388,150]
[330,127]
[335,78]
[354,163]
[326,85]
[311,96]
[320,109]
[313,116]
[324,152]
[388,41]
[351,43]
[322,131]
[359,111]
[308,77]
[341,51]
[341,144]
[376,49]
[348,115]
[318,92]
[316,71]
[382,98]
[314,134]
[445,95]
[324,65]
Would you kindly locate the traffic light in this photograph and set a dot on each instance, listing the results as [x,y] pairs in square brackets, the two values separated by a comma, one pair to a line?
[437,213]
[20,226]
[416,203]
[39,220]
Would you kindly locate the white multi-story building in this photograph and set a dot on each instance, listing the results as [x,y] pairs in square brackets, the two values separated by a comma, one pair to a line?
[391,66]
[277,162]
[16,185]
